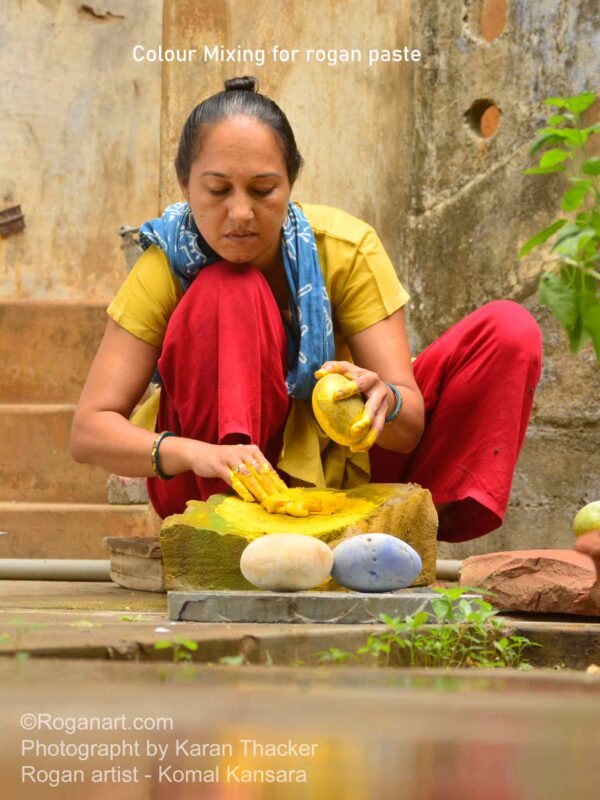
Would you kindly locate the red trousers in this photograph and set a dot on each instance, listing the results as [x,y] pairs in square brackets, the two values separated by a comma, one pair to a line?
[223,367]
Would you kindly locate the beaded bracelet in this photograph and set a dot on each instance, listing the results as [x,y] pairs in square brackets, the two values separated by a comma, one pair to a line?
[398,405]
[154,456]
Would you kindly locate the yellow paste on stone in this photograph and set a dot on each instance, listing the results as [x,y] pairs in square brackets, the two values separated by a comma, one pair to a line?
[250,520]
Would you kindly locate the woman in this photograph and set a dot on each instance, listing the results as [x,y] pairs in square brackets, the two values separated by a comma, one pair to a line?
[245,298]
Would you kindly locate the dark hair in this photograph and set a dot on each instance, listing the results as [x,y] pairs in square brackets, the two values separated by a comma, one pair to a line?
[240,96]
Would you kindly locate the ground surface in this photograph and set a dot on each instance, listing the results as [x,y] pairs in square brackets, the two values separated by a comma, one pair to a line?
[372,733]
[71,619]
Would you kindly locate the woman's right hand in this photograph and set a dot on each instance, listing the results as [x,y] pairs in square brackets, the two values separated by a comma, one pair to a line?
[219,460]
[245,469]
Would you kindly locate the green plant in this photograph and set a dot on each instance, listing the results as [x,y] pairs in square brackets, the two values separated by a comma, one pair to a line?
[569,285]
[242,660]
[334,655]
[182,648]
[234,661]
[464,633]
[84,623]
[21,629]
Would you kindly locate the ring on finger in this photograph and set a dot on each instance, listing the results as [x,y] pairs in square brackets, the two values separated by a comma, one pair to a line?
[239,468]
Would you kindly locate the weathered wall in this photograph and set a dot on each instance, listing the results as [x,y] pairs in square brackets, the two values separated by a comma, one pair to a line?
[398,144]
[432,155]
[472,208]
[352,122]
[79,141]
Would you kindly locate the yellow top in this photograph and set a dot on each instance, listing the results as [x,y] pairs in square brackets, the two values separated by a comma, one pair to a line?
[363,289]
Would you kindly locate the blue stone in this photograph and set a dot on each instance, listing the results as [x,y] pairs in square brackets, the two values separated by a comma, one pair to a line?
[375,562]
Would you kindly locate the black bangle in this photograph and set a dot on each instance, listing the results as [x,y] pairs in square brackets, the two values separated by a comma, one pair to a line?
[154,456]
[398,405]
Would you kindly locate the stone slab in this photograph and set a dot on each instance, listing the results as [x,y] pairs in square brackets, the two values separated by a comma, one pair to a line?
[348,608]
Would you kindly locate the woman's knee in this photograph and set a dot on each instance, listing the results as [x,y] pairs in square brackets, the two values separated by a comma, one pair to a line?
[513,327]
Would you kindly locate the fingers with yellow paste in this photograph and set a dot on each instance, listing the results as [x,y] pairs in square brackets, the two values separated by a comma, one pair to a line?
[349,391]
[282,504]
[366,443]
[239,487]
[253,482]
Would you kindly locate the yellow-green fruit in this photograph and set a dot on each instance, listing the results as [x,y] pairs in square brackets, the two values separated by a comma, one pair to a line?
[587,519]
[336,417]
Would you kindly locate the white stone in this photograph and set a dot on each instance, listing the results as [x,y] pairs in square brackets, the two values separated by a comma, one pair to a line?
[286,562]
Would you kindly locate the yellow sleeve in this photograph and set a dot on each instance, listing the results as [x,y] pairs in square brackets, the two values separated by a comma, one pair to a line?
[147,298]
[371,290]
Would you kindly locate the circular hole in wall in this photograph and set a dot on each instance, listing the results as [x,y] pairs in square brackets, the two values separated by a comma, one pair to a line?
[492,18]
[485,20]
[483,118]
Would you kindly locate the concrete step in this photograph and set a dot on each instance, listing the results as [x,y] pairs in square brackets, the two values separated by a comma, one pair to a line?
[35,464]
[46,348]
[69,530]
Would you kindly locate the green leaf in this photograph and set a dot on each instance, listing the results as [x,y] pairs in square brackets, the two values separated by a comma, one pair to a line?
[573,197]
[456,592]
[546,138]
[560,299]
[233,661]
[556,119]
[578,337]
[441,607]
[465,608]
[591,166]
[571,245]
[390,621]
[541,237]
[576,104]
[22,655]
[581,102]
[553,156]
[189,644]
[571,229]
[585,183]
[162,645]
[591,324]
[559,102]
[543,170]
[573,136]
[421,617]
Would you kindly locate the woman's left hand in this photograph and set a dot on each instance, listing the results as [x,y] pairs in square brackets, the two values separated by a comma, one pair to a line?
[380,399]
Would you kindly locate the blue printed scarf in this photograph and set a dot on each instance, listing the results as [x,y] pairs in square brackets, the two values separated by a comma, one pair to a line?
[310,336]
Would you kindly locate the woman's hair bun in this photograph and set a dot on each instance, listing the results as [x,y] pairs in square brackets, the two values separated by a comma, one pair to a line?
[245,84]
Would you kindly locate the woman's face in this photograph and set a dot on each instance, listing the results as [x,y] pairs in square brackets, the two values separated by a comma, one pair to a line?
[238,191]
